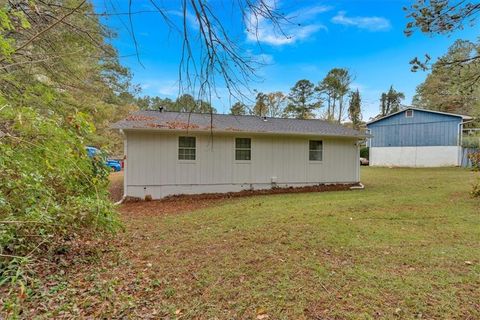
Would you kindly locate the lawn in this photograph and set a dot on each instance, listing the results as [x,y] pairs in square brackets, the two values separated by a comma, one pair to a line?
[407,246]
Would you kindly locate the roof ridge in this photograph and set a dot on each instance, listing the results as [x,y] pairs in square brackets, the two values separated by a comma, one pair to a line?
[237,115]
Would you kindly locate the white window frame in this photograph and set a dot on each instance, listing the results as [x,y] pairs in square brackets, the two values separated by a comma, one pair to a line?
[406,114]
[235,150]
[309,150]
[178,149]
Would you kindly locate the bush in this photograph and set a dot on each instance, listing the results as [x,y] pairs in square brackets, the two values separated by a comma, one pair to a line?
[474,158]
[472,142]
[49,188]
[365,152]
[476,189]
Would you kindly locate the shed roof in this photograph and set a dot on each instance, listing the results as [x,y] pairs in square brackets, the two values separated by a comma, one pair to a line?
[464,117]
[204,122]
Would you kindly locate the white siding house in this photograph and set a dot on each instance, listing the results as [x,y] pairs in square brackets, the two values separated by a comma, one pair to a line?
[170,153]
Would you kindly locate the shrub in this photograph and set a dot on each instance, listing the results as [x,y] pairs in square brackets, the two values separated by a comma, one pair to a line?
[476,189]
[474,158]
[471,142]
[365,152]
[49,188]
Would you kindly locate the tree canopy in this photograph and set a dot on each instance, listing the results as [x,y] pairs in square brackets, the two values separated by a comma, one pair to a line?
[449,87]
[355,109]
[390,101]
[335,88]
[302,100]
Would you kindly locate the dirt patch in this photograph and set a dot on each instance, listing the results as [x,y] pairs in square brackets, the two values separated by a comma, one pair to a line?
[250,193]
[166,206]
[186,203]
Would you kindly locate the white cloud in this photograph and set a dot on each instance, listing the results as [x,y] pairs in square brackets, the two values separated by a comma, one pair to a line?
[298,26]
[367,23]
[191,20]
[262,58]
[164,87]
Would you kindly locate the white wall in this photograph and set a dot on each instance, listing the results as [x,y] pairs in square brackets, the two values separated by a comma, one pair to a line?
[153,168]
[438,156]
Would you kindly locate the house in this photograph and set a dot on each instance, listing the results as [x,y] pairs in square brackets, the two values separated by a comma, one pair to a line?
[171,153]
[416,137]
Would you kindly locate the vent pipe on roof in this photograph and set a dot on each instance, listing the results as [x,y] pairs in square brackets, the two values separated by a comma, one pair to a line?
[264,118]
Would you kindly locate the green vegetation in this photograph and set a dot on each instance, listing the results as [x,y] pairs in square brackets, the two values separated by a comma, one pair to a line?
[406,247]
[355,109]
[390,101]
[452,86]
[60,87]
[47,194]
[184,103]
[365,152]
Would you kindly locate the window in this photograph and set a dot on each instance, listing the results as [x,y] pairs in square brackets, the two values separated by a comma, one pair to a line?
[243,149]
[315,150]
[186,148]
[409,114]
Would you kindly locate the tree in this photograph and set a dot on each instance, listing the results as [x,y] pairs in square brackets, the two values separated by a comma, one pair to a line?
[335,86]
[276,103]
[354,109]
[238,109]
[208,44]
[154,103]
[302,101]
[260,108]
[390,102]
[449,86]
[61,85]
[442,17]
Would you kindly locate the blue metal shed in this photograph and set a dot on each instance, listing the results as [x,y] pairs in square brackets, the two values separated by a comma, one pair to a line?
[415,136]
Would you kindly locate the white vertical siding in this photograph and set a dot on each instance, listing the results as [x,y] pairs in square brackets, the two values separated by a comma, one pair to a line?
[152,162]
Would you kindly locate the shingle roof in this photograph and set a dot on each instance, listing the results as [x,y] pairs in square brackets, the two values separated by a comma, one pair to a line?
[197,122]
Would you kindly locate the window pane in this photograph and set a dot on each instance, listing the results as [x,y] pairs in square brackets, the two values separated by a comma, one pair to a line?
[242,154]
[316,145]
[242,143]
[186,142]
[186,154]
[315,155]
[186,148]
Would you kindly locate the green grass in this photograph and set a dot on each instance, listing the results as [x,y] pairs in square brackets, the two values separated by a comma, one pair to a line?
[407,246]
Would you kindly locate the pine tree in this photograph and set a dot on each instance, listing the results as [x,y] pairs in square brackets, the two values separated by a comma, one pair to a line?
[261,109]
[303,101]
[335,87]
[238,109]
[354,110]
[390,102]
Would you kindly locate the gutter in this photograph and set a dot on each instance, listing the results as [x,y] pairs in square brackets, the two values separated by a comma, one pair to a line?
[234,132]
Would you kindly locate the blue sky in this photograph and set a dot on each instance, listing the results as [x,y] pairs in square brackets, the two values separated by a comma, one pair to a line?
[365,36]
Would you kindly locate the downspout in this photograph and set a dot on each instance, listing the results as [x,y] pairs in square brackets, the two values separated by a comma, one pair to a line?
[124,196]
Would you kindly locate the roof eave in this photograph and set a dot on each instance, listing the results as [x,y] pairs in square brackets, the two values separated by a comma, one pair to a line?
[464,117]
[196,131]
